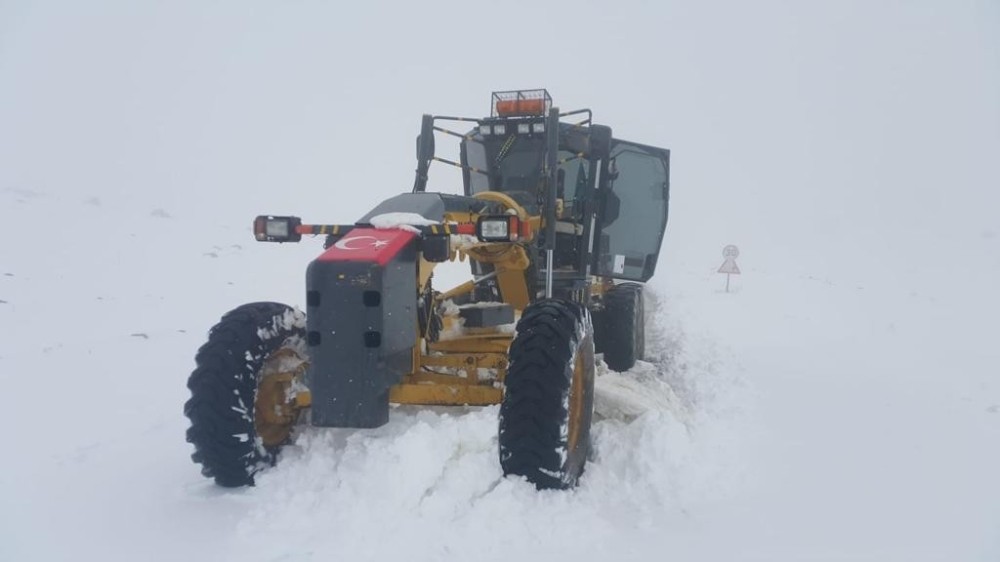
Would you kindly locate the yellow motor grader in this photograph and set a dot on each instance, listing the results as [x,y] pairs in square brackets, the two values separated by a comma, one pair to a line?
[561,224]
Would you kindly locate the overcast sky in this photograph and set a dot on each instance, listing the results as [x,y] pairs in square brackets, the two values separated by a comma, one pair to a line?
[798,129]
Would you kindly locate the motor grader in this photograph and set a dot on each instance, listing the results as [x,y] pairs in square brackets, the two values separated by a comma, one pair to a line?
[561,224]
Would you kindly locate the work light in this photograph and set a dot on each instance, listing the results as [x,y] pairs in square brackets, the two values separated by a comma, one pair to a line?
[497,228]
[267,228]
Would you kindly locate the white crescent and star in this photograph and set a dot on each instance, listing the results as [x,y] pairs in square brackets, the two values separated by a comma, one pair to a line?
[343,243]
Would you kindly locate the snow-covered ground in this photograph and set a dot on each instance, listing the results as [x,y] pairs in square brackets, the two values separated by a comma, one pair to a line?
[842,402]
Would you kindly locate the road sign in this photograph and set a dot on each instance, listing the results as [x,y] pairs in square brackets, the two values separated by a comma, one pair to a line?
[729,266]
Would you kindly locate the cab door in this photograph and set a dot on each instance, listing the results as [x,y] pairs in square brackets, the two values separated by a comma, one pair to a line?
[633,213]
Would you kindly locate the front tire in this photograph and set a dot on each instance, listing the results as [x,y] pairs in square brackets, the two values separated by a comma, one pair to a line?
[548,405]
[239,410]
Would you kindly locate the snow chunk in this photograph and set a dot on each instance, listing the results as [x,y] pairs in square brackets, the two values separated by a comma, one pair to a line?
[290,319]
[449,308]
[627,396]
[400,221]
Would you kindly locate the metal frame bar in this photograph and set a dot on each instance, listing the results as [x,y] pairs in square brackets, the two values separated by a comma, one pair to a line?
[552,169]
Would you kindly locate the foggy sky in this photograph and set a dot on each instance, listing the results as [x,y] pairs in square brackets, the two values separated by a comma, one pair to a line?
[819,134]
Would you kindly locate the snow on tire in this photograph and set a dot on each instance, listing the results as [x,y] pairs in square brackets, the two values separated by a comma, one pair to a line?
[224,389]
[548,404]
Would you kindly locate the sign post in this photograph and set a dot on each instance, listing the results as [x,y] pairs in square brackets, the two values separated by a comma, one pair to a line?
[729,266]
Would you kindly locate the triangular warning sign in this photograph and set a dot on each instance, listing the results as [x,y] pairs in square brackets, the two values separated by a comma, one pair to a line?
[729,266]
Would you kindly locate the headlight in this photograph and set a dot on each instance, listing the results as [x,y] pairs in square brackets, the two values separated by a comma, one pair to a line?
[503,228]
[277,228]
[267,228]
[497,228]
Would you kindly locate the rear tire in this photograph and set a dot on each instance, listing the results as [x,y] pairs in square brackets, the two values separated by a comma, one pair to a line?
[224,390]
[624,327]
[548,405]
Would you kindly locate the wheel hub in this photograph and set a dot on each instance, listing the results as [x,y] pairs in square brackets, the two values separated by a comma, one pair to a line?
[276,409]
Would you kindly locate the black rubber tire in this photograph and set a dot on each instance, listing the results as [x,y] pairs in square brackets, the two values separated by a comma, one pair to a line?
[224,389]
[535,412]
[624,327]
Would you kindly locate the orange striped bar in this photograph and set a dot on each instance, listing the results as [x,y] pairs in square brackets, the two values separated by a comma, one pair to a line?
[433,229]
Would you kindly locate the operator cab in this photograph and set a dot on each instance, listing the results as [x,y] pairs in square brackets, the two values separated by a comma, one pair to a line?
[515,164]
[612,194]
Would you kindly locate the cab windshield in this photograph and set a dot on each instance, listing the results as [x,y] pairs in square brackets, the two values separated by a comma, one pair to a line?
[514,165]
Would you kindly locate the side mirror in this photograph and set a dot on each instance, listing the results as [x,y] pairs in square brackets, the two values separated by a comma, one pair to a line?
[611,208]
[425,140]
[425,152]
[600,141]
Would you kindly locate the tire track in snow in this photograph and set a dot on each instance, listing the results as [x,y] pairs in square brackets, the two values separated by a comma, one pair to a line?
[432,475]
